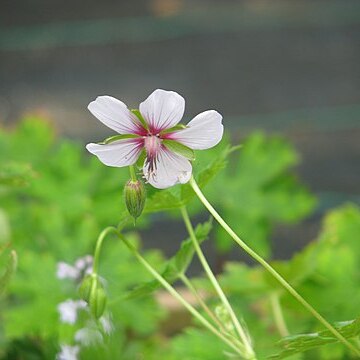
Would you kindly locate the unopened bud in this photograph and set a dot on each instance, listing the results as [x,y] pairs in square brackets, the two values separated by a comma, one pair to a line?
[85,287]
[98,302]
[92,291]
[135,196]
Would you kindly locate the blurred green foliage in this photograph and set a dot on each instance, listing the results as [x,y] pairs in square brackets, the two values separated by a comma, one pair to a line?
[55,200]
[258,191]
[325,272]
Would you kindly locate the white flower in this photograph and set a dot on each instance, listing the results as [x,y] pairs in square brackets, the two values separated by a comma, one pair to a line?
[68,352]
[66,271]
[82,266]
[165,164]
[106,324]
[88,336]
[68,310]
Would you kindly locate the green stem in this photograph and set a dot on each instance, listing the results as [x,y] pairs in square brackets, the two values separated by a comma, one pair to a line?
[99,242]
[214,282]
[177,296]
[278,314]
[202,303]
[187,282]
[269,268]
[132,173]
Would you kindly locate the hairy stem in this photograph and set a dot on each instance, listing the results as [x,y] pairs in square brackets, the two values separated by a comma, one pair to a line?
[202,303]
[132,173]
[177,296]
[242,334]
[99,242]
[269,268]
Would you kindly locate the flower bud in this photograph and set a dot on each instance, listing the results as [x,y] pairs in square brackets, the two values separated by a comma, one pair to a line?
[85,287]
[92,291]
[98,302]
[135,196]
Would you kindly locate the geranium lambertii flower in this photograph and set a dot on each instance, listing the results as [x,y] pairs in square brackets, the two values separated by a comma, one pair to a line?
[154,130]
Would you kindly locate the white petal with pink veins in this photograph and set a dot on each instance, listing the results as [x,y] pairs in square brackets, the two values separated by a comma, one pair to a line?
[170,169]
[118,153]
[202,132]
[114,114]
[162,109]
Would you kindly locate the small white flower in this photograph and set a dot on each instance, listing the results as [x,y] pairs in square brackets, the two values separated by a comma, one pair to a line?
[68,352]
[81,267]
[164,166]
[66,271]
[106,324]
[68,310]
[84,264]
[88,336]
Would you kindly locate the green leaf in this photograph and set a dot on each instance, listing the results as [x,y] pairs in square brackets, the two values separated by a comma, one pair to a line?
[175,266]
[162,200]
[183,257]
[37,295]
[196,344]
[180,149]
[258,190]
[14,174]
[208,173]
[301,343]
[205,170]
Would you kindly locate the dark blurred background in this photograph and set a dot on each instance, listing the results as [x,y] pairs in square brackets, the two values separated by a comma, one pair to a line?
[290,67]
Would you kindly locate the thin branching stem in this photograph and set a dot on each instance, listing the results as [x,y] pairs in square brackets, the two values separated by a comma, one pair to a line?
[177,296]
[269,268]
[187,282]
[241,332]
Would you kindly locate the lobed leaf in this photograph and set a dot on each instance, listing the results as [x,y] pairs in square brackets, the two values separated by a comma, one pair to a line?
[300,343]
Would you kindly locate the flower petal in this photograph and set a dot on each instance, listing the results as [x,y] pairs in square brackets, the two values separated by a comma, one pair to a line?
[114,114]
[202,132]
[68,352]
[170,169]
[162,109]
[118,153]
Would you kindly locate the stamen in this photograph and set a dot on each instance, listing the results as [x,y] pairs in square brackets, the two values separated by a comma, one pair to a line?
[152,145]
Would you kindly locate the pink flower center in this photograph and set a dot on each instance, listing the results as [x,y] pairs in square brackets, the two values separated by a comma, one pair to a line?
[152,144]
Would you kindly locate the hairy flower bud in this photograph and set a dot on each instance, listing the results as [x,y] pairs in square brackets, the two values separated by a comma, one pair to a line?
[85,287]
[135,196]
[92,291]
[98,302]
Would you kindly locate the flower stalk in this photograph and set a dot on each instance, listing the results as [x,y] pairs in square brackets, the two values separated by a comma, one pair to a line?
[91,289]
[241,332]
[186,281]
[269,268]
[238,347]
